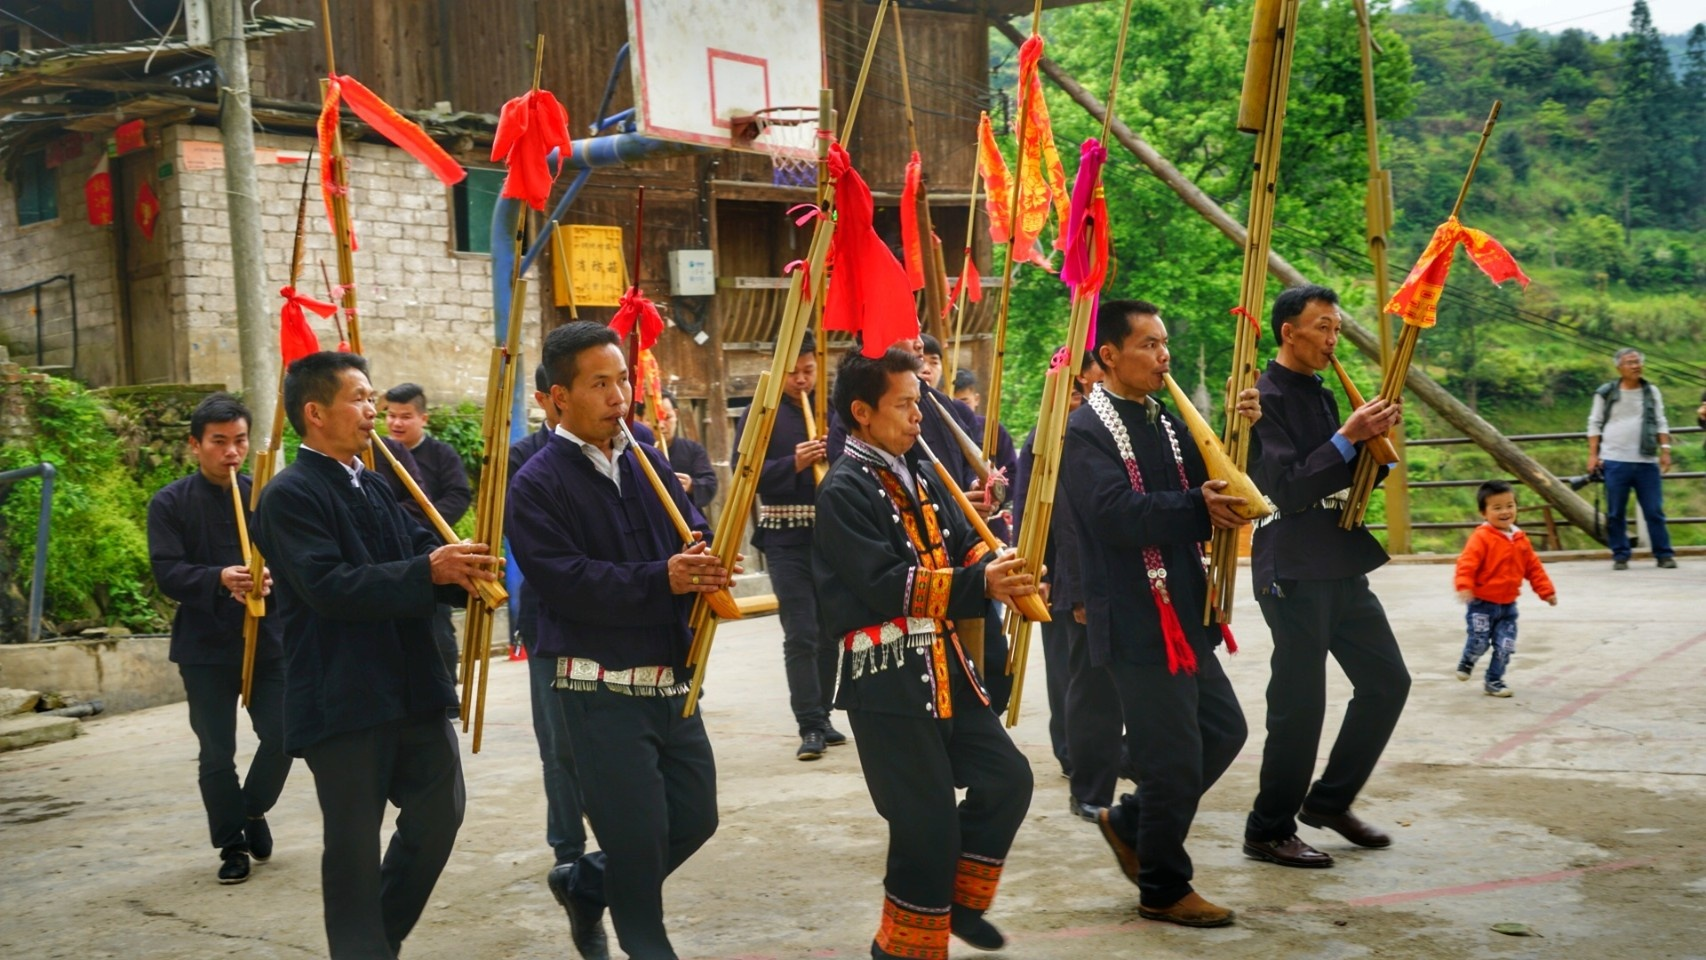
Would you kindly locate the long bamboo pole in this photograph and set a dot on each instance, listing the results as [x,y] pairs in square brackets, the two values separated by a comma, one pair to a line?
[254,605]
[1392,386]
[992,402]
[489,590]
[819,468]
[1273,35]
[959,305]
[1031,605]
[1378,211]
[743,486]
[1048,444]
[342,226]
[934,292]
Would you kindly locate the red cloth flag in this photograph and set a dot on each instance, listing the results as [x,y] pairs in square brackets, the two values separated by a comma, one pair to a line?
[997,187]
[147,210]
[98,195]
[968,281]
[385,121]
[1042,179]
[636,308]
[1084,230]
[868,292]
[910,243]
[530,126]
[296,338]
[1417,300]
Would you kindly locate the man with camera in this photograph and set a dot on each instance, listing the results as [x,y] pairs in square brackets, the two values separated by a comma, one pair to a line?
[1629,440]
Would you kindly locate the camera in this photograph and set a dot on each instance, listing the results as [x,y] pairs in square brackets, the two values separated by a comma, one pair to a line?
[1582,480]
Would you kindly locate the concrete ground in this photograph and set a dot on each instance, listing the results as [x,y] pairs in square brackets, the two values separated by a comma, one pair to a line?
[1575,808]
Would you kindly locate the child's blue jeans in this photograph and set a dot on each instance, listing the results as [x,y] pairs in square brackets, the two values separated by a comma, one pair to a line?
[1490,625]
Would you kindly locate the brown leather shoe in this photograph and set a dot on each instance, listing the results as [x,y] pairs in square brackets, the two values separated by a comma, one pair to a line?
[1290,852]
[1191,911]
[1346,825]
[1123,852]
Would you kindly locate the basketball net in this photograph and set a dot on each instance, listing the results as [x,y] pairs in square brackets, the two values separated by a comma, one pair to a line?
[789,136]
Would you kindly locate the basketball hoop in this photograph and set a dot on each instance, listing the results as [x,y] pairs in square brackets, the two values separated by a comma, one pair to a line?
[788,135]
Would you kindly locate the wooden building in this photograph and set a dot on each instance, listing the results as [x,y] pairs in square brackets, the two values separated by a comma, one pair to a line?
[452,65]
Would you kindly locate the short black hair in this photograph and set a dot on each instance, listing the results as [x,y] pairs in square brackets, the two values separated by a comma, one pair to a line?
[566,343]
[964,379]
[410,393]
[218,408]
[315,379]
[861,378]
[808,344]
[1113,323]
[541,379]
[932,346]
[1292,301]
[666,395]
[1488,491]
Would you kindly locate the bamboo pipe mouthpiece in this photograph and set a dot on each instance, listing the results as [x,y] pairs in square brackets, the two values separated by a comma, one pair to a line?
[722,602]
[1220,465]
[490,592]
[1380,447]
[819,468]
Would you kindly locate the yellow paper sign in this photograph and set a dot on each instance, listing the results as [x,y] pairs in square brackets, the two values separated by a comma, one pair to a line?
[588,266]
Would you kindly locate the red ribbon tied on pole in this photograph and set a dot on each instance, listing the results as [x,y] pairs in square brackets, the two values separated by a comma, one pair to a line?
[911,244]
[635,308]
[296,338]
[1417,300]
[529,127]
[388,123]
[1084,267]
[868,292]
[968,281]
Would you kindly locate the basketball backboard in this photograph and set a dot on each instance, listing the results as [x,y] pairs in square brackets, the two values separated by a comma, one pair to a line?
[700,63]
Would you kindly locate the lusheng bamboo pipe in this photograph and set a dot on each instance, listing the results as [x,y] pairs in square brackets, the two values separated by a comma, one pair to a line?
[820,467]
[1220,466]
[968,447]
[1259,66]
[489,590]
[1392,385]
[1381,446]
[721,601]
[1031,605]
[254,605]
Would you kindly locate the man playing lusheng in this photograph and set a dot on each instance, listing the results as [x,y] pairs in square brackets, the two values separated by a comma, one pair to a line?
[198,561]
[1142,502]
[442,477]
[366,695]
[1311,581]
[896,566]
[615,587]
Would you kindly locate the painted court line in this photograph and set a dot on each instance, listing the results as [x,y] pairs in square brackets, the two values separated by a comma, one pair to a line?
[1567,710]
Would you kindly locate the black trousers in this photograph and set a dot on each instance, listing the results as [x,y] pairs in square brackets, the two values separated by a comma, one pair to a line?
[371,905]
[913,764]
[1182,732]
[1094,722]
[808,656]
[1054,664]
[564,831]
[1310,619]
[444,637]
[997,682]
[649,783]
[214,692]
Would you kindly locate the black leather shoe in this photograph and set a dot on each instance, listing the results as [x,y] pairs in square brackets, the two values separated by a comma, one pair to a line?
[1082,810]
[259,837]
[1124,852]
[1290,852]
[234,865]
[586,920]
[833,737]
[1347,825]
[970,926]
[811,745]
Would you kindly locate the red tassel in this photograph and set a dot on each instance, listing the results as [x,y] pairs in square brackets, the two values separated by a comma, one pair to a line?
[1226,638]
[517,652]
[636,308]
[911,244]
[1180,656]
[868,291]
[400,130]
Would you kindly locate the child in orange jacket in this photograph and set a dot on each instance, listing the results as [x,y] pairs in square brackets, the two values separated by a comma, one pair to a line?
[1489,577]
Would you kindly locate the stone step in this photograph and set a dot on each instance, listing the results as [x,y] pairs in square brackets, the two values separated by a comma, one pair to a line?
[31,729]
[13,700]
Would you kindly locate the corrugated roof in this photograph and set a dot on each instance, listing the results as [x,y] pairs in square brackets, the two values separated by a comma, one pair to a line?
[52,60]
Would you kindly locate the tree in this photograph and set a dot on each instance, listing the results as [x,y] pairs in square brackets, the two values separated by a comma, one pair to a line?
[1640,147]
[1513,153]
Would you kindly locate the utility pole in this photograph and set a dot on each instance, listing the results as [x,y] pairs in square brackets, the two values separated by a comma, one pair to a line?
[255,338]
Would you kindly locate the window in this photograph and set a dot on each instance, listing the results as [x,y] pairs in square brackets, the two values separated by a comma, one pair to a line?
[474,198]
[38,198]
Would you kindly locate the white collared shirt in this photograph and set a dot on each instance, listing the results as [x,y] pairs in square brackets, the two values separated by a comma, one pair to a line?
[896,465]
[605,465]
[353,469]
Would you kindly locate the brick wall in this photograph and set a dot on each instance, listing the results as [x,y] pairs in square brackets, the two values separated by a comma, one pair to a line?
[425,309]
[66,245]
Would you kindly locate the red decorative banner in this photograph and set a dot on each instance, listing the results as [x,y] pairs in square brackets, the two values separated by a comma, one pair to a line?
[147,210]
[98,195]
[129,137]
